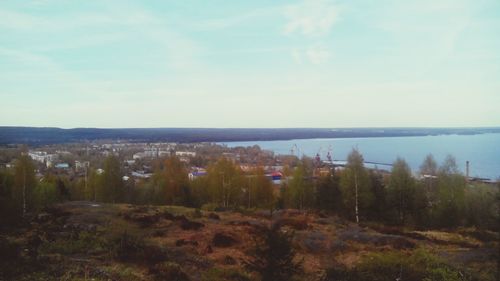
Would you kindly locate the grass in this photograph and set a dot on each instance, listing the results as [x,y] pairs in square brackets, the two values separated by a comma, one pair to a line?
[123,249]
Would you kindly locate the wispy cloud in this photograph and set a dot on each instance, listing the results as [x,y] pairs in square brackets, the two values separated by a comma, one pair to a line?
[311,17]
[312,20]
[316,54]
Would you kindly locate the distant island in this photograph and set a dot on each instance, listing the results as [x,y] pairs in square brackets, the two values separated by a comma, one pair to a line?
[52,135]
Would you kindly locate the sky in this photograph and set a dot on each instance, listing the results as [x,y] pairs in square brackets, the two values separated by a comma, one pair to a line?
[307,63]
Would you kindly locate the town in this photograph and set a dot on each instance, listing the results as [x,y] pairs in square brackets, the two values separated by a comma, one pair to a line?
[117,197]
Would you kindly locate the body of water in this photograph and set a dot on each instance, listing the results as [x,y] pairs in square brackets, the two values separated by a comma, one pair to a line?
[482,150]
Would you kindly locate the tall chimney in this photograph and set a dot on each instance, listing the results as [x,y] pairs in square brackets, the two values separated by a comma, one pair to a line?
[467,170]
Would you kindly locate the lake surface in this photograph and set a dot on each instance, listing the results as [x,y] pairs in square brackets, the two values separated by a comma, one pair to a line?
[482,151]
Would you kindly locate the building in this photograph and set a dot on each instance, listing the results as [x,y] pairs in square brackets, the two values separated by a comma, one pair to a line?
[196,174]
[63,166]
[141,174]
[80,165]
[42,156]
[151,153]
[185,153]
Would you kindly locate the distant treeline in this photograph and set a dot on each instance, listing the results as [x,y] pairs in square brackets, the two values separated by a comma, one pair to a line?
[41,136]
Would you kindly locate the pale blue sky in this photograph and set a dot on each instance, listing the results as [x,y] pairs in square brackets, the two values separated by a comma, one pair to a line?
[306,63]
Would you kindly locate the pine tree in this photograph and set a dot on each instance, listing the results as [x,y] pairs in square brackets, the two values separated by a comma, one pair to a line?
[273,257]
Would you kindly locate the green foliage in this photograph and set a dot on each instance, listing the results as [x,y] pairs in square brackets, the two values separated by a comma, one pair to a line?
[112,189]
[93,186]
[224,183]
[259,191]
[429,166]
[417,266]
[46,194]
[79,243]
[450,194]
[274,257]
[169,271]
[8,214]
[355,186]
[482,206]
[328,194]
[24,183]
[209,207]
[174,184]
[401,190]
[378,210]
[126,247]
[301,189]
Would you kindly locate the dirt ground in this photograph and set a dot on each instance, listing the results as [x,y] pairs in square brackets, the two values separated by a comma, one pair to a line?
[72,241]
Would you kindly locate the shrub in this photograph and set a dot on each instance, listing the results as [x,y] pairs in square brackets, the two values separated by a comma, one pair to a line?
[169,271]
[81,242]
[8,250]
[127,247]
[273,256]
[209,207]
[419,265]
[218,274]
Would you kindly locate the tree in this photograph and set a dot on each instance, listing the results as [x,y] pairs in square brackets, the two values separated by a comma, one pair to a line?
[451,192]
[93,185]
[378,189]
[24,183]
[7,205]
[301,189]
[428,172]
[46,194]
[429,166]
[176,183]
[328,194]
[355,185]
[482,208]
[113,190]
[259,191]
[273,256]
[225,183]
[401,189]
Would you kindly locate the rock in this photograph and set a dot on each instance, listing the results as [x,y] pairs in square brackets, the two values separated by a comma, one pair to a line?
[295,223]
[223,240]
[43,217]
[208,249]
[190,225]
[144,219]
[314,241]
[228,260]
[359,235]
[183,242]
[168,216]
[213,216]
[239,223]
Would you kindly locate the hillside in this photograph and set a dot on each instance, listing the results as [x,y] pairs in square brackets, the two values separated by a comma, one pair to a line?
[90,241]
[51,135]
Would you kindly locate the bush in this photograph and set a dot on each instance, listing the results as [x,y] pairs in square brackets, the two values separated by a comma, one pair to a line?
[81,242]
[209,207]
[127,247]
[420,265]
[273,256]
[217,274]
[8,250]
[169,271]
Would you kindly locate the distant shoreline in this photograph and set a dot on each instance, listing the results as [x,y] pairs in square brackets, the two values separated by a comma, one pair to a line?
[36,136]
